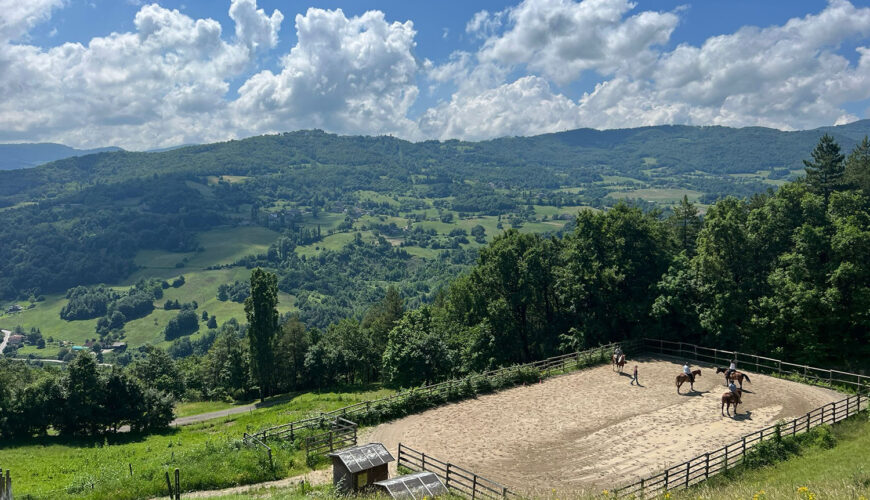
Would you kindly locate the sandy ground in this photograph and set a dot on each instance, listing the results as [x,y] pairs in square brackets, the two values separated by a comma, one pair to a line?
[591,429]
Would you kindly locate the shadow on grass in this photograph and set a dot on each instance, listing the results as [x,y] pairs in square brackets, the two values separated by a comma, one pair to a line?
[108,439]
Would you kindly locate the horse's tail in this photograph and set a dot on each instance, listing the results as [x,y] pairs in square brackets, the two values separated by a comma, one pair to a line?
[747,378]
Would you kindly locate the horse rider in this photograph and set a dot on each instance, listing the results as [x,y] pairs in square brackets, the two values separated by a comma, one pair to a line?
[617,352]
[733,387]
[688,372]
[731,369]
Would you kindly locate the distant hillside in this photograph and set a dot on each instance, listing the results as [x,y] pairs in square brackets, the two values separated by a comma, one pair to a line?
[15,156]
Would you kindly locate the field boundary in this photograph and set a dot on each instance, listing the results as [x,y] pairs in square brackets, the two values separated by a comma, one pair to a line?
[359,411]
[709,464]
[5,485]
[461,480]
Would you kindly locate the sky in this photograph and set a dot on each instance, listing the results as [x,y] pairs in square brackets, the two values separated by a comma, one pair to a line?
[140,75]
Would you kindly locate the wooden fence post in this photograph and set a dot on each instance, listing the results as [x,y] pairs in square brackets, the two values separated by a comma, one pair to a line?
[474,487]
[744,449]
[169,484]
[177,484]
[808,421]
[688,468]
[667,476]
[707,466]
[447,478]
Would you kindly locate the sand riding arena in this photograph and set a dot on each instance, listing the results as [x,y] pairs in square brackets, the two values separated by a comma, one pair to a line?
[591,429]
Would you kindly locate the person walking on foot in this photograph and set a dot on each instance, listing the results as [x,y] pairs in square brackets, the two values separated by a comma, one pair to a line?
[634,377]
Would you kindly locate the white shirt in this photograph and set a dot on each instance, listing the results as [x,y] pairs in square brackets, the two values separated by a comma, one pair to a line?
[733,366]
[686,369]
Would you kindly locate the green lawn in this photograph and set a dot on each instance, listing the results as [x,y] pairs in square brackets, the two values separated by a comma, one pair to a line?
[208,454]
[200,407]
[842,472]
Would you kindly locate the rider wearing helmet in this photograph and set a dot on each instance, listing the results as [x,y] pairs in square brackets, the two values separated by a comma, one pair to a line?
[688,372]
[733,387]
[731,369]
[617,352]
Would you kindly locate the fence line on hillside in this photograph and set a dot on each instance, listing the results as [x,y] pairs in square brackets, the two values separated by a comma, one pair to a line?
[354,411]
[5,485]
[761,364]
[709,464]
[461,480]
[341,434]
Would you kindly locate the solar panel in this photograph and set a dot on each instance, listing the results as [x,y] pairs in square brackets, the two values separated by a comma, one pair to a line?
[363,457]
[414,486]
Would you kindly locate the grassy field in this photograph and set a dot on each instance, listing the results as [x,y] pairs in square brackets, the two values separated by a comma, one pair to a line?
[658,195]
[209,455]
[221,246]
[200,407]
[842,472]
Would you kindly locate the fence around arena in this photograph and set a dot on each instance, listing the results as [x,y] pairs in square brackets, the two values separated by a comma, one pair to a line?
[460,480]
[5,485]
[342,433]
[761,364]
[709,464]
[355,411]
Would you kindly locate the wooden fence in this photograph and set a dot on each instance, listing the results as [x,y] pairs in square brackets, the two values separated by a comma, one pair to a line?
[5,485]
[462,481]
[359,410]
[709,464]
[254,440]
[342,433]
[761,364]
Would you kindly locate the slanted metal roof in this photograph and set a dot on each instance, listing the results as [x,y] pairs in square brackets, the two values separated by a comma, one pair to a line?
[363,457]
[414,486]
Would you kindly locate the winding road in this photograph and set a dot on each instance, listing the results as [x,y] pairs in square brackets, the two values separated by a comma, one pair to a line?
[6,335]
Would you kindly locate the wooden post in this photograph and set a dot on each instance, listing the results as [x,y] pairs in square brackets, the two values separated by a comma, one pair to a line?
[169,484]
[688,468]
[794,427]
[834,417]
[177,484]
[707,466]
[474,487]
[667,476]
[744,449]
[808,421]
[726,458]
[447,482]
[424,466]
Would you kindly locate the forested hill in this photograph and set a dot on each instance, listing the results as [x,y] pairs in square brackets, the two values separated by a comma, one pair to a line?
[545,161]
[15,156]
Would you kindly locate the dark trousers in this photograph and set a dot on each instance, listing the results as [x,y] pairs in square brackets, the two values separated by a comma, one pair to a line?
[634,379]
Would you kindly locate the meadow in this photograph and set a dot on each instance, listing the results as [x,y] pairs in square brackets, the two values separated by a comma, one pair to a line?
[209,454]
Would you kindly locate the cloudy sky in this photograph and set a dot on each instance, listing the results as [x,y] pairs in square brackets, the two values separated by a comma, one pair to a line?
[143,75]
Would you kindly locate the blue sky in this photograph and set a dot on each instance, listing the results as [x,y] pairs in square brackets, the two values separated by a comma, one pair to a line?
[141,75]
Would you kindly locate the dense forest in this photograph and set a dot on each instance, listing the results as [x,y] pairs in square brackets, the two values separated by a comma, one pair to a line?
[783,273]
[81,220]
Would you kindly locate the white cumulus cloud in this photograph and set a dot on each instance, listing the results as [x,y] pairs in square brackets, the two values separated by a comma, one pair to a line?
[347,75]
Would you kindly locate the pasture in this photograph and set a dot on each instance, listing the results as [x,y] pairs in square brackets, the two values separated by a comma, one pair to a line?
[591,429]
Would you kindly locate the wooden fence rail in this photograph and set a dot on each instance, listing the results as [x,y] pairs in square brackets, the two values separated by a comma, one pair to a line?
[343,433]
[253,440]
[357,410]
[709,464]
[5,485]
[462,481]
[761,364]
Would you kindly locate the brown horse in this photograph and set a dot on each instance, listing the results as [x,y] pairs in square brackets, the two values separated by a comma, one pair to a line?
[728,399]
[683,378]
[619,363]
[736,376]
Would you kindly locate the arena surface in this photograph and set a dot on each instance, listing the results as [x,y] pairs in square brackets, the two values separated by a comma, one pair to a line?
[591,429]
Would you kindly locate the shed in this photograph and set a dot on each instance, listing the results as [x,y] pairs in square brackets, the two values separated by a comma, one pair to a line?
[413,486]
[357,467]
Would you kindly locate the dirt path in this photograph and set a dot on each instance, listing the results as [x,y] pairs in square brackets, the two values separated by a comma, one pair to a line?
[591,429]
[315,478]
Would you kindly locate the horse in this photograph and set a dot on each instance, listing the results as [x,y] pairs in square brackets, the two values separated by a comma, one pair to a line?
[618,363]
[737,376]
[683,378]
[729,398]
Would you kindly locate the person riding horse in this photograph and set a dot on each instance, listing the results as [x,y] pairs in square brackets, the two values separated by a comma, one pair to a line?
[731,368]
[688,371]
[733,388]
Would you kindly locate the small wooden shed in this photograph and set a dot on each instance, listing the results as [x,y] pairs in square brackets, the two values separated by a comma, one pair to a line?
[355,468]
[413,486]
